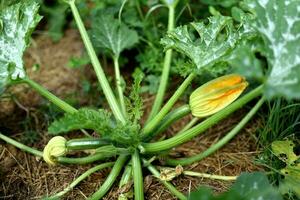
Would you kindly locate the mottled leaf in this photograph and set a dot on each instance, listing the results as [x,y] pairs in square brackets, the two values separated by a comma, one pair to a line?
[284,150]
[111,34]
[248,186]
[217,39]
[278,21]
[17,22]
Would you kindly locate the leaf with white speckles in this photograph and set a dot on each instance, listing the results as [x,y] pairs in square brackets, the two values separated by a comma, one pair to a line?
[278,21]
[214,41]
[16,25]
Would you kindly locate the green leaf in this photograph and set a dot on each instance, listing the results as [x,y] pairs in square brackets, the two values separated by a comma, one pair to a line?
[135,105]
[86,118]
[101,122]
[248,186]
[278,22]
[213,44]
[223,3]
[56,19]
[244,61]
[17,22]
[284,150]
[111,34]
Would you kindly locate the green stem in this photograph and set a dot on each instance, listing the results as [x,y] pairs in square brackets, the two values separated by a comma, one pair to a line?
[189,125]
[189,134]
[166,69]
[168,106]
[81,178]
[97,66]
[51,97]
[21,146]
[168,185]
[63,160]
[210,176]
[171,117]
[82,160]
[222,142]
[127,175]
[119,84]
[115,171]
[137,176]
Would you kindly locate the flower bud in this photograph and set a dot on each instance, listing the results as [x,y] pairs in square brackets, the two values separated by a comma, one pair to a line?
[56,147]
[215,95]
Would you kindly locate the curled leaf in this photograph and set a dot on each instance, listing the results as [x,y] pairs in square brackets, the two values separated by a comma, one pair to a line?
[216,94]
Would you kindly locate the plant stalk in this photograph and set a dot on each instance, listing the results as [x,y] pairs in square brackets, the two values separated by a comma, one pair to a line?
[137,176]
[210,176]
[170,118]
[81,178]
[168,106]
[200,128]
[119,84]
[166,68]
[189,125]
[115,171]
[21,146]
[212,149]
[168,185]
[51,97]
[97,66]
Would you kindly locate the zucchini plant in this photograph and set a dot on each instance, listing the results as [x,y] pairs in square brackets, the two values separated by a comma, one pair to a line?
[269,27]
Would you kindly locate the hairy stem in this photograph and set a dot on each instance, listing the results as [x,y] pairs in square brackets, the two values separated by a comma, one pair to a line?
[212,149]
[115,171]
[137,176]
[97,66]
[81,178]
[119,85]
[51,97]
[200,128]
[168,185]
[166,69]
[168,106]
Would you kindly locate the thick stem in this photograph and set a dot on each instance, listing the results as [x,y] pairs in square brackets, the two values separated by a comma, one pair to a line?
[21,146]
[51,97]
[210,176]
[115,171]
[170,118]
[97,66]
[168,106]
[81,178]
[137,176]
[166,69]
[168,185]
[119,85]
[212,149]
[189,134]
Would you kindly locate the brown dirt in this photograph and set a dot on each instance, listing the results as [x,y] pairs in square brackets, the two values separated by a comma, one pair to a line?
[23,176]
[53,72]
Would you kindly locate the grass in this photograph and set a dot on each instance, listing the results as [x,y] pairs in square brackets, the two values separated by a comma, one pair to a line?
[281,121]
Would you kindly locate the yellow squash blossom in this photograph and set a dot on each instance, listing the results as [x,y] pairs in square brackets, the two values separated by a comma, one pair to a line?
[216,94]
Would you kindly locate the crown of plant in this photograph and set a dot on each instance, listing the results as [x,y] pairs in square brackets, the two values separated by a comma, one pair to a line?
[56,147]
[216,94]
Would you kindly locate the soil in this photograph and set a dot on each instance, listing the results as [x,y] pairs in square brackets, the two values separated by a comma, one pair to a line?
[23,176]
